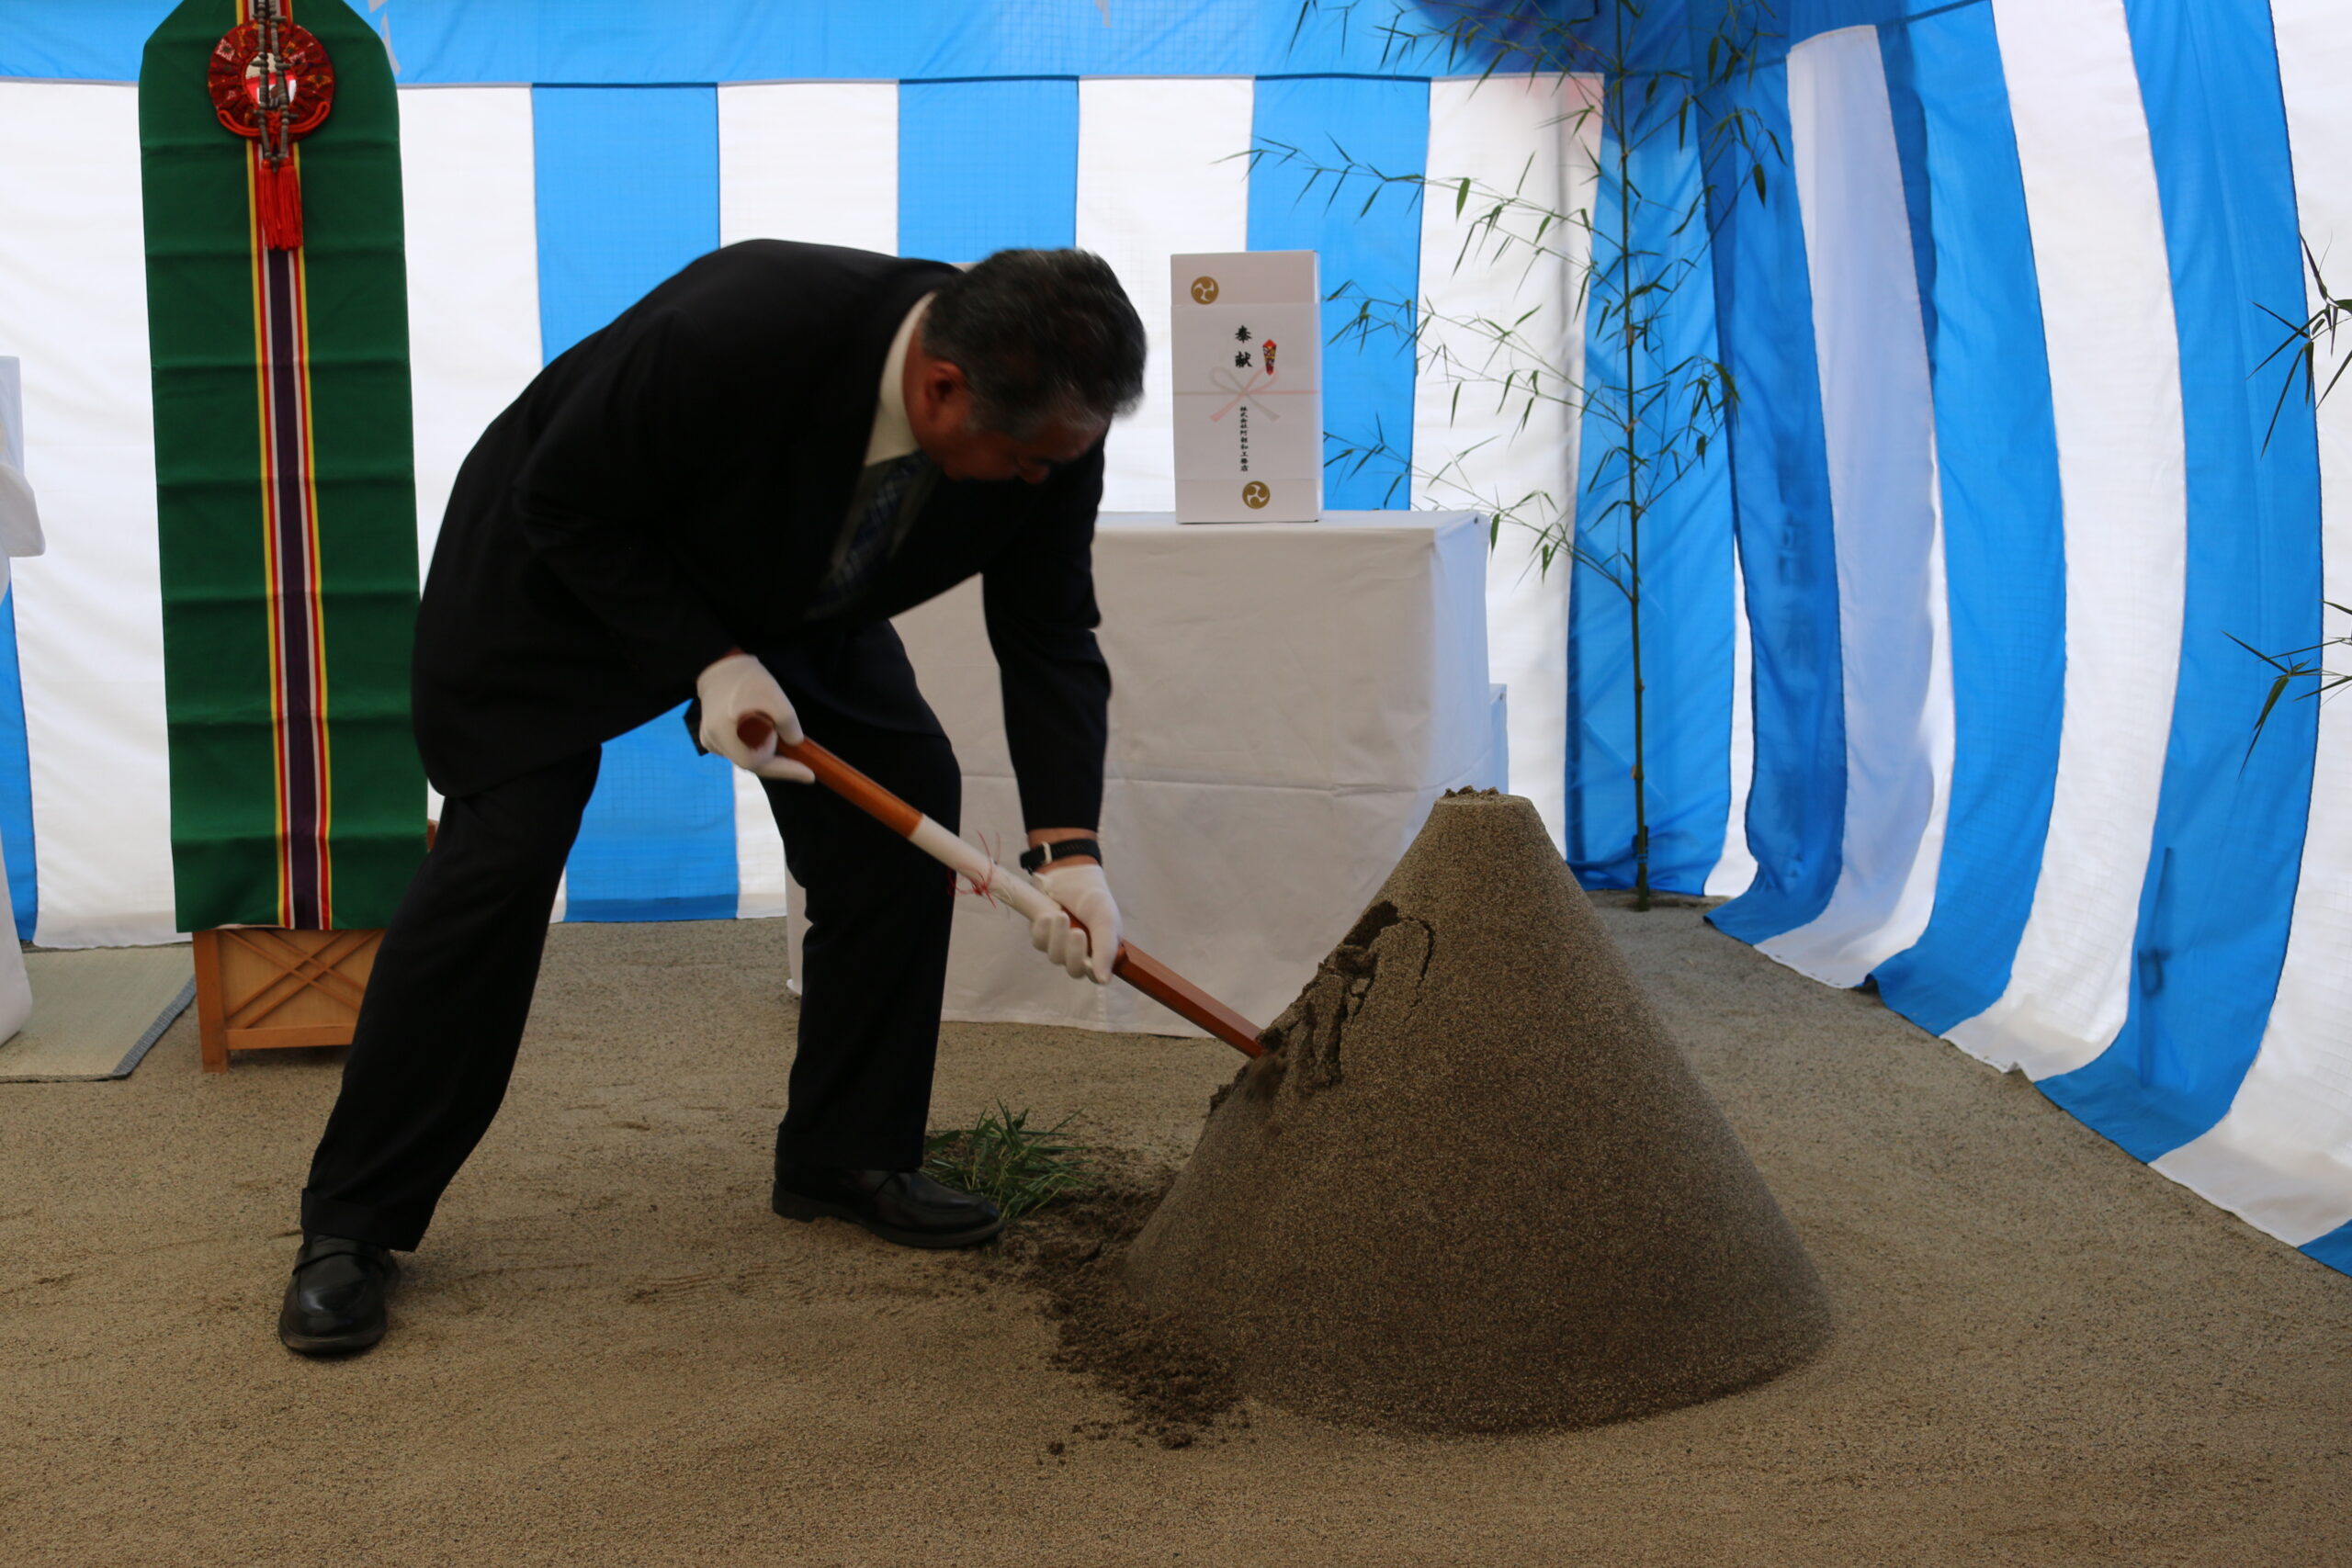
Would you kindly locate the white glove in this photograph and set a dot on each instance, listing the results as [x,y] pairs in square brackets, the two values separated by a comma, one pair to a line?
[734,689]
[1080,888]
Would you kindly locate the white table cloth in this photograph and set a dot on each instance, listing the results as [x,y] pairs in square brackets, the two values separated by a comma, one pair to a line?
[1288,700]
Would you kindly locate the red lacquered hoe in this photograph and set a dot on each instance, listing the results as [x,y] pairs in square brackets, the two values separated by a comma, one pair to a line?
[1134,966]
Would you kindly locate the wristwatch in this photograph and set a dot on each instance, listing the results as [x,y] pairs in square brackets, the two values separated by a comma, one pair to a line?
[1036,860]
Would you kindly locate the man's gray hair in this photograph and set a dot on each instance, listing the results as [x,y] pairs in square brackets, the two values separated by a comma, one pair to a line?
[1040,336]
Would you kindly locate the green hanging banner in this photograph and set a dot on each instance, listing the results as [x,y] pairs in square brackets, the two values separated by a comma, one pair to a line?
[277,319]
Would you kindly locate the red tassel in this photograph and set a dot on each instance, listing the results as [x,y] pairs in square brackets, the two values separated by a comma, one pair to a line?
[280,200]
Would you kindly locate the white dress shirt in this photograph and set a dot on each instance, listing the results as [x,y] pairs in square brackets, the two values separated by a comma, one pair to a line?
[893,435]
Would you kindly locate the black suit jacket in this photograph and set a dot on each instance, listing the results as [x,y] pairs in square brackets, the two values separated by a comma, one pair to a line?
[672,487]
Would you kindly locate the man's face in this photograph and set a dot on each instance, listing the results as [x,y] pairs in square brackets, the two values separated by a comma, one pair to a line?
[940,407]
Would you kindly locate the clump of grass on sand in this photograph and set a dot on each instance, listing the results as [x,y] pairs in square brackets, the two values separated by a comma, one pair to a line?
[1174,1388]
[1019,1168]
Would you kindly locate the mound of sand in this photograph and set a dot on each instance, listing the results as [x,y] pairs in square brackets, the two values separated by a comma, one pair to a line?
[1472,1185]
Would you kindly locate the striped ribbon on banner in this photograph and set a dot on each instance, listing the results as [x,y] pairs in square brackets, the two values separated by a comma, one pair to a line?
[297,623]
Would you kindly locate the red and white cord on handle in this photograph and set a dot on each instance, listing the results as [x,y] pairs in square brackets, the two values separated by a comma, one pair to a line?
[1134,966]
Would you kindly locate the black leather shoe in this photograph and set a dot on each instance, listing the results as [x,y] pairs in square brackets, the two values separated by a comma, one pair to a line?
[335,1303]
[904,1206]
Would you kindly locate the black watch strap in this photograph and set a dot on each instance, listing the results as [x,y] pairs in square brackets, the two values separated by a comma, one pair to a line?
[1036,860]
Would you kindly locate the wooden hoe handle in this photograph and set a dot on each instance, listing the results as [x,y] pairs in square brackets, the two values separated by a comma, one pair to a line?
[1131,964]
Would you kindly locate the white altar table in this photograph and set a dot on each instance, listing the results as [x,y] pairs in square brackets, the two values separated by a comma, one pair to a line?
[1288,700]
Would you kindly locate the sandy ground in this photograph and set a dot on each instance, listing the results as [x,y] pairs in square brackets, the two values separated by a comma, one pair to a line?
[609,1352]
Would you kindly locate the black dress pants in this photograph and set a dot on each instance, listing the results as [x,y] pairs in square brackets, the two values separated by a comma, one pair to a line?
[436,1036]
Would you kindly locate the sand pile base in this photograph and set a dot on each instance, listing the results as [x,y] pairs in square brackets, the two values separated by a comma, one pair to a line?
[1172,1389]
[1472,1185]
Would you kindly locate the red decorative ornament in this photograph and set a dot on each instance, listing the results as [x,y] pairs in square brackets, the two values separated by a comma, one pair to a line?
[272,82]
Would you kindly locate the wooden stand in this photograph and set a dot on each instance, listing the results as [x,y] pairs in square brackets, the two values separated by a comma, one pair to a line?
[261,987]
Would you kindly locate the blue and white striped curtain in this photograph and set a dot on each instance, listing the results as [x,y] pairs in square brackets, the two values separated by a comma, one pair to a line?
[1939,644]
[2005,512]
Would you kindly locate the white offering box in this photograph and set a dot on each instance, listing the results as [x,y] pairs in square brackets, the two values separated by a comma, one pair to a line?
[1248,338]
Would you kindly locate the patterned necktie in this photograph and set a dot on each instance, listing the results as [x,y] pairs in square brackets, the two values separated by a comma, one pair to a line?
[886,487]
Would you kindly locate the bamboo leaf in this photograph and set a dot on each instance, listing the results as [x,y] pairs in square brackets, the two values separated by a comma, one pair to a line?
[2269,702]
[2271,659]
[2331,380]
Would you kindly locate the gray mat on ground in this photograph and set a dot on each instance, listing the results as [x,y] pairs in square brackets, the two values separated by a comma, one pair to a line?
[95,1012]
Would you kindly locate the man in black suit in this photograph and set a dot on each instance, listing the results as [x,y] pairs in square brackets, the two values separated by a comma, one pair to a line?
[724,496]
